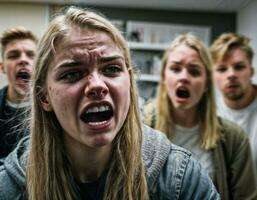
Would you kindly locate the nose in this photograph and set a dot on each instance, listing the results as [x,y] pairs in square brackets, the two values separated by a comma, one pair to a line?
[231,73]
[184,76]
[96,87]
[24,60]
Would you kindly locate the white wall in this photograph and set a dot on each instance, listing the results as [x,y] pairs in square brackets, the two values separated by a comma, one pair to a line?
[247,25]
[32,16]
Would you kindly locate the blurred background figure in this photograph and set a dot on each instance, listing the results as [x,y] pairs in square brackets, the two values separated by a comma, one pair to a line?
[185,109]
[18,53]
[232,71]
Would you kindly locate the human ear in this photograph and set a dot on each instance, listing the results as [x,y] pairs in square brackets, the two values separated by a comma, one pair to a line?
[45,102]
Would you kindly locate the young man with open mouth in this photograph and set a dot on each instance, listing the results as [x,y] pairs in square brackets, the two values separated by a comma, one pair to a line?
[18,53]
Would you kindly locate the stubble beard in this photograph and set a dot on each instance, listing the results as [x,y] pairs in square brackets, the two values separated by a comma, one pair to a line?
[235,96]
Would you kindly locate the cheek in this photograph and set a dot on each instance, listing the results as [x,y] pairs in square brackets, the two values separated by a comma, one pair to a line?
[200,88]
[60,101]
[122,94]
[10,73]
[9,69]
[248,75]
[126,92]
[169,83]
[218,79]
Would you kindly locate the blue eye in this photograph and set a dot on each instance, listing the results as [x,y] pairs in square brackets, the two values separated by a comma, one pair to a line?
[111,70]
[239,67]
[175,69]
[13,55]
[71,76]
[195,72]
[221,69]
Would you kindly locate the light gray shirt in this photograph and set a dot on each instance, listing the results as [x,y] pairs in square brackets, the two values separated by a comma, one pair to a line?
[189,138]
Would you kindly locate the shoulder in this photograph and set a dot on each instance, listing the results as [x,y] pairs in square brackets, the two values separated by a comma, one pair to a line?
[8,188]
[155,147]
[172,173]
[3,91]
[231,131]
[12,172]
[234,142]
[157,150]
[184,178]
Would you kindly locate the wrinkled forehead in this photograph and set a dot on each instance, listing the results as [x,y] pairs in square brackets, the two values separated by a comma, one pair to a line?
[87,42]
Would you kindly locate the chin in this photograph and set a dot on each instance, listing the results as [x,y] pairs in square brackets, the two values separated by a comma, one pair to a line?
[101,141]
[22,91]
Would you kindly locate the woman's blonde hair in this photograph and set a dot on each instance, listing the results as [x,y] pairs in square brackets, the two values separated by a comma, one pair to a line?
[49,170]
[207,108]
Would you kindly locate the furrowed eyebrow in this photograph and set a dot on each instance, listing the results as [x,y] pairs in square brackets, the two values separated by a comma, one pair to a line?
[239,63]
[175,62]
[67,64]
[109,58]
[194,65]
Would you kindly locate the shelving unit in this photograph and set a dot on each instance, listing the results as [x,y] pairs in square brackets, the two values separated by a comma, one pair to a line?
[147,52]
[148,78]
[147,46]
[147,59]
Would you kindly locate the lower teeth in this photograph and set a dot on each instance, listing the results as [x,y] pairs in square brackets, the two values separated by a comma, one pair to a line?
[97,123]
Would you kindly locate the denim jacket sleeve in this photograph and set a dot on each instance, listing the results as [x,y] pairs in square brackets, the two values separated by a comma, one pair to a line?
[182,177]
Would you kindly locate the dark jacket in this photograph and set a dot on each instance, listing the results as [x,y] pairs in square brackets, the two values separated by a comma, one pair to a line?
[234,173]
[12,128]
[170,170]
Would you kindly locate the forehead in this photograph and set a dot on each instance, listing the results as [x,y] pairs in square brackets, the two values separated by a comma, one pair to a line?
[236,53]
[183,51]
[86,40]
[20,43]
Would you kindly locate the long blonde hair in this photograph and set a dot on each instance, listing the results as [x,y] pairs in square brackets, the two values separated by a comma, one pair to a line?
[49,170]
[207,108]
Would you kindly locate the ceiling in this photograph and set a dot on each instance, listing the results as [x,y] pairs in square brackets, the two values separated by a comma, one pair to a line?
[199,5]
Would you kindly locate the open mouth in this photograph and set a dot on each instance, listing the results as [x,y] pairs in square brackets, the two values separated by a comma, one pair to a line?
[183,92]
[97,115]
[233,85]
[25,76]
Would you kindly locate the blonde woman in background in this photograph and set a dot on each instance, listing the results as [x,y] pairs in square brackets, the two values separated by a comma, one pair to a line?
[185,110]
[87,140]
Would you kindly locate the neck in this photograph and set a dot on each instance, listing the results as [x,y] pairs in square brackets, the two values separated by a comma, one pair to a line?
[185,118]
[88,164]
[246,100]
[14,97]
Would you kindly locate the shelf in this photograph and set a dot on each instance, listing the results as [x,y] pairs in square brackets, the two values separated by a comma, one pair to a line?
[147,46]
[148,78]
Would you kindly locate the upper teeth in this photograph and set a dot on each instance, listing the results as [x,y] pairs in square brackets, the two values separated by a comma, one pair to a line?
[98,109]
